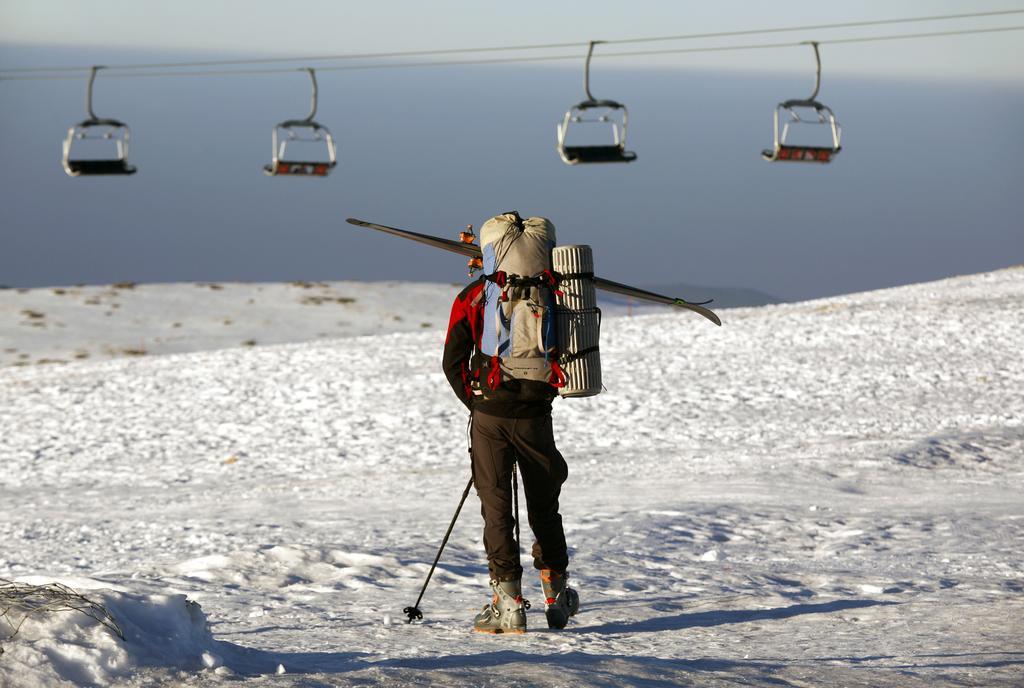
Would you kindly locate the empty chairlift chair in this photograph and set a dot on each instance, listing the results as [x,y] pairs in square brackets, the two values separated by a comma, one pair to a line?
[793,114]
[96,129]
[592,111]
[306,131]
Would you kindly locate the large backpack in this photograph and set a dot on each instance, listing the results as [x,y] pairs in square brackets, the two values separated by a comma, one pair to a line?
[518,354]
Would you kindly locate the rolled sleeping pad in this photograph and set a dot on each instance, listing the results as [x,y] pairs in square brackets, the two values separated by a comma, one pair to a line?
[579,320]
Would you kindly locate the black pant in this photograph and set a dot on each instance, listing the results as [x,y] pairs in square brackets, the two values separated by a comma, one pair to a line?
[497,444]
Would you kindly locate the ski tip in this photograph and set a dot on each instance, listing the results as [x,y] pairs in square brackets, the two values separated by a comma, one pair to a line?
[712,316]
[696,308]
[354,221]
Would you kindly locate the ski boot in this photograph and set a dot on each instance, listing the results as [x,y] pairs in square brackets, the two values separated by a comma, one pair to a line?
[507,611]
[560,601]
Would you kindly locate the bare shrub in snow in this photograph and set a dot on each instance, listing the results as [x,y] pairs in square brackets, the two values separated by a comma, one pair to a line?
[18,601]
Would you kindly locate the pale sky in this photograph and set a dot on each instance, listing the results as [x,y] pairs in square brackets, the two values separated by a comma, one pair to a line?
[258,28]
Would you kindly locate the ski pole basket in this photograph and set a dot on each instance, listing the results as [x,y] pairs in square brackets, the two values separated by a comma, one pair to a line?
[302,131]
[608,113]
[78,157]
[793,115]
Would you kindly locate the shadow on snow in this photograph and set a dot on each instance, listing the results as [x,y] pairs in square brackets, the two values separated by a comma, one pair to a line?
[252,662]
[732,616]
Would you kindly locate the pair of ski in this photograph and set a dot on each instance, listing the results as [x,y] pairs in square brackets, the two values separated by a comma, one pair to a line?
[473,251]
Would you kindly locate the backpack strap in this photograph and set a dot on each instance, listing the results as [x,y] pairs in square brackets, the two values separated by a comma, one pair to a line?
[562,276]
[557,379]
[566,359]
[546,278]
[552,280]
[494,373]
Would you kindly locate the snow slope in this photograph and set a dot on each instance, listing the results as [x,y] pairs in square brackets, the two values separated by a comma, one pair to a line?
[63,324]
[821,493]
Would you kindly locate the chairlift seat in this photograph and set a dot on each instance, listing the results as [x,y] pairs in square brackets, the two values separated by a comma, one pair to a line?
[115,131]
[819,154]
[296,168]
[788,152]
[300,168]
[586,154]
[77,168]
[595,154]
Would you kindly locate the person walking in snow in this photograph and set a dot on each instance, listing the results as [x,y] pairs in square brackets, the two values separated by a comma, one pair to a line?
[510,426]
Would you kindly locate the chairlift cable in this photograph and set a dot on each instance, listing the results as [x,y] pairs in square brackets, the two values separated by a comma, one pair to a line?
[510,60]
[759,46]
[538,46]
[813,27]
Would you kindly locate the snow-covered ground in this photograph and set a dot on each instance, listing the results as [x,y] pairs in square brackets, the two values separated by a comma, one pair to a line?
[63,324]
[820,493]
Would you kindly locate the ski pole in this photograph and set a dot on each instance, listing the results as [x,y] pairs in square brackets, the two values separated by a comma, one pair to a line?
[414,612]
[515,503]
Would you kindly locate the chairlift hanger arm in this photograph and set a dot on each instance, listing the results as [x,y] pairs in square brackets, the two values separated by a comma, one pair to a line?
[817,73]
[88,92]
[313,97]
[308,119]
[586,72]
[93,119]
